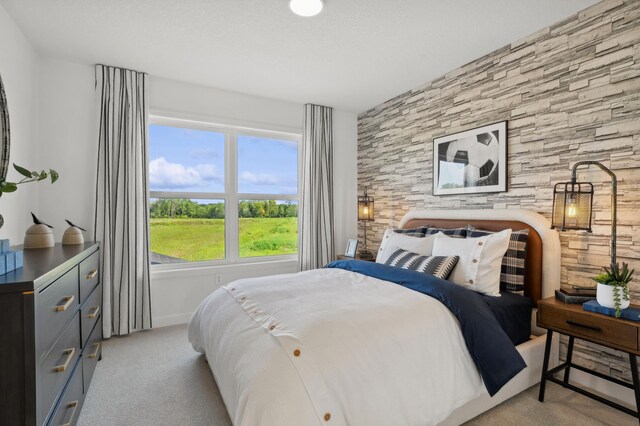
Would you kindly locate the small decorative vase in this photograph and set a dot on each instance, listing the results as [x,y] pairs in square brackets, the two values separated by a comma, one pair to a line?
[72,236]
[38,236]
[604,296]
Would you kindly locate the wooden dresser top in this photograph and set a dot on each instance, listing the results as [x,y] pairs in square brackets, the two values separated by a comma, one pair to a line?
[43,265]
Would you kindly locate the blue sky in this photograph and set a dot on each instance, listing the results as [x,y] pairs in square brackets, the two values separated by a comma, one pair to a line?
[188,160]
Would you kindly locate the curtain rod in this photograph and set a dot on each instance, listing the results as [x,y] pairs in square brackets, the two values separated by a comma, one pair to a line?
[122,68]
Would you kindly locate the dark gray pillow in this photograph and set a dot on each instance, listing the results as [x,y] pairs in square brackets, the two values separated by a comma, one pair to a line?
[413,232]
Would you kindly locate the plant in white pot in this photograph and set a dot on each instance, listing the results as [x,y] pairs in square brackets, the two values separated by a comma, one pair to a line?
[613,287]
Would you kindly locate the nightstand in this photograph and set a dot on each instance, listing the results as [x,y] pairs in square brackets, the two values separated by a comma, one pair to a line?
[343,257]
[571,320]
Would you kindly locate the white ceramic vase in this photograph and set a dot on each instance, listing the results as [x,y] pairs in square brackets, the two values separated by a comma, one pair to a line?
[604,295]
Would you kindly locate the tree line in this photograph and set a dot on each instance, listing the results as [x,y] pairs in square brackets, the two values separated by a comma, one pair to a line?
[189,209]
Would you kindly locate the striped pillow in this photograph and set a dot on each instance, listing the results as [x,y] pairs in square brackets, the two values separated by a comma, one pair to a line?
[455,233]
[439,266]
[413,232]
[513,262]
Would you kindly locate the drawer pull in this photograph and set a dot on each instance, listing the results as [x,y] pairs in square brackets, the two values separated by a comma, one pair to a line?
[74,405]
[63,367]
[68,301]
[92,274]
[95,353]
[588,327]
[94,314]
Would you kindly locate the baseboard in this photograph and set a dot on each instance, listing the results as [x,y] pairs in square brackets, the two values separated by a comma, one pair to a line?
[168,320]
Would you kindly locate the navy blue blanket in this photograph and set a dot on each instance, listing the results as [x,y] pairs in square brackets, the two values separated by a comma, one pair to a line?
[491,349]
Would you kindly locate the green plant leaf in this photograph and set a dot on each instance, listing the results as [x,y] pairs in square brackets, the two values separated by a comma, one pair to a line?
[54,175]
[43,175]
[8,187]
[22,170]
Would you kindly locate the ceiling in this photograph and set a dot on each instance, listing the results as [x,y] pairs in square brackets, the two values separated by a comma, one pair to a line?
[352,56]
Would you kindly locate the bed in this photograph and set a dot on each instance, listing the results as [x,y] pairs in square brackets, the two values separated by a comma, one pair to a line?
[360,343]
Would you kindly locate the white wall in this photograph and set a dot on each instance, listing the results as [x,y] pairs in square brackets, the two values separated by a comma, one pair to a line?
[67,143]
[18,69]
[345,175]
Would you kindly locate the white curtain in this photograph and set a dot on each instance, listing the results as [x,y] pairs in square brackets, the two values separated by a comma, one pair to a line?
[316,207]
[121,208]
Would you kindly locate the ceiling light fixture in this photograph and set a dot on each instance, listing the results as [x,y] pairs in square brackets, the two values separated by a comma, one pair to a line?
[306,8]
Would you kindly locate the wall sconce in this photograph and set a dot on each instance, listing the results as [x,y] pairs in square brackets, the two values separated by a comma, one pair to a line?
[573,204]
[365,214]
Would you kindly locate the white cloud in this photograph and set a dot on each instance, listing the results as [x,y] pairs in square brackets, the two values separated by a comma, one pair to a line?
[163,174]
[259,178]
[209,172]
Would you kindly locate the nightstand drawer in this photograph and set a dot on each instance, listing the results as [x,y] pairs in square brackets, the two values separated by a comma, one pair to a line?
[597,329]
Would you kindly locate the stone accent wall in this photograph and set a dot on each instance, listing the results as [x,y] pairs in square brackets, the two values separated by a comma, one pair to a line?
[570,92]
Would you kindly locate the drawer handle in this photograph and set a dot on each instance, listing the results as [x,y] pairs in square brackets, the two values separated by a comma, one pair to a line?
[94,314]
[95,353]
[74,405]
[92,274]
[588,327]
[63,367]
[68,301]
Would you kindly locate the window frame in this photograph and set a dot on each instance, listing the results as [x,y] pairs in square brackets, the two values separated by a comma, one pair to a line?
[231,197]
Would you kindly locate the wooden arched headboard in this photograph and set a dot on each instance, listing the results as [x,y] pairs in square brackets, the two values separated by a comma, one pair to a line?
[542,267]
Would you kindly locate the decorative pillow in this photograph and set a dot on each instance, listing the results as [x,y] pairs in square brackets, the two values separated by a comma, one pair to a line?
[455,233]
[480,260]
[392,241]
[513,262]
[414,232]
[439,266]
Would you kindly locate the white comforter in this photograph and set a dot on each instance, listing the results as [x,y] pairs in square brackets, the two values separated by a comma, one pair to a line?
[333,347]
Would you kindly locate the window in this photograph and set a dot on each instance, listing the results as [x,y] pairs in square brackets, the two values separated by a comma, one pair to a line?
[221,194]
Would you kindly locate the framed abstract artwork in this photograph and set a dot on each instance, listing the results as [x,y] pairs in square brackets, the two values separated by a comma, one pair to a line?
[473,161]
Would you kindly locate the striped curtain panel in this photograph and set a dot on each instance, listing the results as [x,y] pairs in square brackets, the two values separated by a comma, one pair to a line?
[121,208]
[316,247]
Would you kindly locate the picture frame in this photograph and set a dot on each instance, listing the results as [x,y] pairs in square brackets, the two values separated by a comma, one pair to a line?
[352,248]
[471,162]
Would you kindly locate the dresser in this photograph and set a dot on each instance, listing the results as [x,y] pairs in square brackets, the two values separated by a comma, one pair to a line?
[50,334]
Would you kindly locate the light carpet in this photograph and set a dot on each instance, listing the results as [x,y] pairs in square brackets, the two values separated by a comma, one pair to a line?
[155,378]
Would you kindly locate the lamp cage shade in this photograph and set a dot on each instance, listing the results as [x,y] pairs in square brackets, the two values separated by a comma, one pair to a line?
[572,206]
[365,207]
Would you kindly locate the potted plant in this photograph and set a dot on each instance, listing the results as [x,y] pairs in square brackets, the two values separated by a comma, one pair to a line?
[613,287]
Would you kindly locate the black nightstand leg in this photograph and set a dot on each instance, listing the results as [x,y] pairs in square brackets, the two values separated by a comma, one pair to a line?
[545,365]
[569,356]
[636,383]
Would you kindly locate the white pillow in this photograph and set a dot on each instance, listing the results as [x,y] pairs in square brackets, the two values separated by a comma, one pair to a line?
[392,241]
[480,260]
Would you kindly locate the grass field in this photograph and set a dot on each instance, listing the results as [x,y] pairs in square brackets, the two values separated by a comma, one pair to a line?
[203,239]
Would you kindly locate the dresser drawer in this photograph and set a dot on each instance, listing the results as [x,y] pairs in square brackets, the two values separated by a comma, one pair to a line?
[589,327]
[89,275]
[90,313]
[55,306]
[55,369]
[91,354]
[69,405]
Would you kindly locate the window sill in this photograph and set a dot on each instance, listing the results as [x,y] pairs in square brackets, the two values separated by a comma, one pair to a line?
[212,267]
